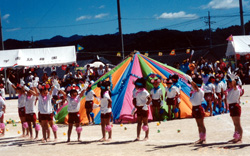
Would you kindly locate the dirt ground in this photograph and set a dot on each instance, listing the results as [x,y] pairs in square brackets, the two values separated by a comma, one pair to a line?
[169,138]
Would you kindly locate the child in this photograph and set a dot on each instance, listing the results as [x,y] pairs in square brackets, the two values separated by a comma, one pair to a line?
[224,86]
[219,92]
[209,90]
[157,98]
[89,94]
[45,109]
[233,99]
[143,99]
[2,111]
[30,114]
[73,108]
[21,105]
[170,95]
[106,109]
[196,98]
[175,79]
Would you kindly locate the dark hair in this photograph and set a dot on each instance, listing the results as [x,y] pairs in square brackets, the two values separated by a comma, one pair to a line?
[175,78]
[140,83]
[72,91]
[210,78]
[189,72]
[104,85]
[198,80]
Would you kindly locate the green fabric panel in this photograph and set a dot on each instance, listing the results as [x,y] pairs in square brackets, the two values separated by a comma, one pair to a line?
[60,116]
[146,70]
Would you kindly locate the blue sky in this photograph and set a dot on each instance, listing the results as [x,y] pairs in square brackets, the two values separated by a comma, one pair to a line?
[44,19]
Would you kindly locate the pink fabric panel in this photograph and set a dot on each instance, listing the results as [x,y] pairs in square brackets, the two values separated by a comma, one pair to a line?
[127,102]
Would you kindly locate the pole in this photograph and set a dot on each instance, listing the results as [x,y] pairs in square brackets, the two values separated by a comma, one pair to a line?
[1,34]
[242,18]
[210,33]
[120,26]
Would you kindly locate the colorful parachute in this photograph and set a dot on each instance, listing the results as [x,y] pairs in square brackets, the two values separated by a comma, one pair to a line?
[122,76]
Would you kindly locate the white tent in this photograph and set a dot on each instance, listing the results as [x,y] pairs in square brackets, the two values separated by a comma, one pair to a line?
[43,57]
[238,45]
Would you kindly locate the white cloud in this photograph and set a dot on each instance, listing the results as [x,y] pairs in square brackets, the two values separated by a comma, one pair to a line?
[101,15]
[101,7]
[223,4]
[175,15]
[83,18]
[6,16]
[14,29]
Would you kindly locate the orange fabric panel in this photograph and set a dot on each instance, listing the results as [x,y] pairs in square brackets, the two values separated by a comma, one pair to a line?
[185,106]
[115,78]
[118,73]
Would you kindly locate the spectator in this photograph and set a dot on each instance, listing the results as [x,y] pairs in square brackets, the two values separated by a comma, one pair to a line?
[12,78]
[100,71]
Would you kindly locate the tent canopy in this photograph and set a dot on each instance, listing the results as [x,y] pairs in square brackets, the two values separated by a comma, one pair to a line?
[238,45]
[55,56]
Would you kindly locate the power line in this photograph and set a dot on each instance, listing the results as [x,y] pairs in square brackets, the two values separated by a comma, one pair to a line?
[63,26]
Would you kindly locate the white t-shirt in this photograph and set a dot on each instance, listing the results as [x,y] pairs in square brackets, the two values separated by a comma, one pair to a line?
[2,103]
[134,91]
[208,88]
[44,104]
[171,93]
[224,85]
[36,79]
[21,100]
[218,87]
[73,104]
[100,72]
[156,95]
[89,72]
[141,97]
[197,97]
[30,104]
[78,76]
[104,103]
[90,95]
[178,88]
[3,93]
[233,96]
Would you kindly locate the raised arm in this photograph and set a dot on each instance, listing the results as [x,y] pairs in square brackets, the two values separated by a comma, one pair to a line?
[193,84]
[233,76]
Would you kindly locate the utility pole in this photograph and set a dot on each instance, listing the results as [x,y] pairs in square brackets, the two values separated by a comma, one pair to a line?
[210,33]
[209,22]
[120,26]
[1,34]
[241,18]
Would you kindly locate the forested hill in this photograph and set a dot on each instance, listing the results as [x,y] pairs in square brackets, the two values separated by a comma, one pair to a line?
[156,40]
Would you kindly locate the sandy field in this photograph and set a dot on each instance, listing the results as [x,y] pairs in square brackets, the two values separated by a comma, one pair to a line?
[173,138]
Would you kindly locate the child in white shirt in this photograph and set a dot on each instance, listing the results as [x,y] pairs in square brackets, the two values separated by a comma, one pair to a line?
[143,99]
[106,109]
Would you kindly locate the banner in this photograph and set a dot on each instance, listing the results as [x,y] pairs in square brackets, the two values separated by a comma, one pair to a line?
[118,54]
[172,52]
[79,47]
[38,57]
[230,38]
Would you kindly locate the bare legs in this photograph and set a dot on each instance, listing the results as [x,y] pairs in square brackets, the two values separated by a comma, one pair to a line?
[202,130]
[141,120]
[104,123]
